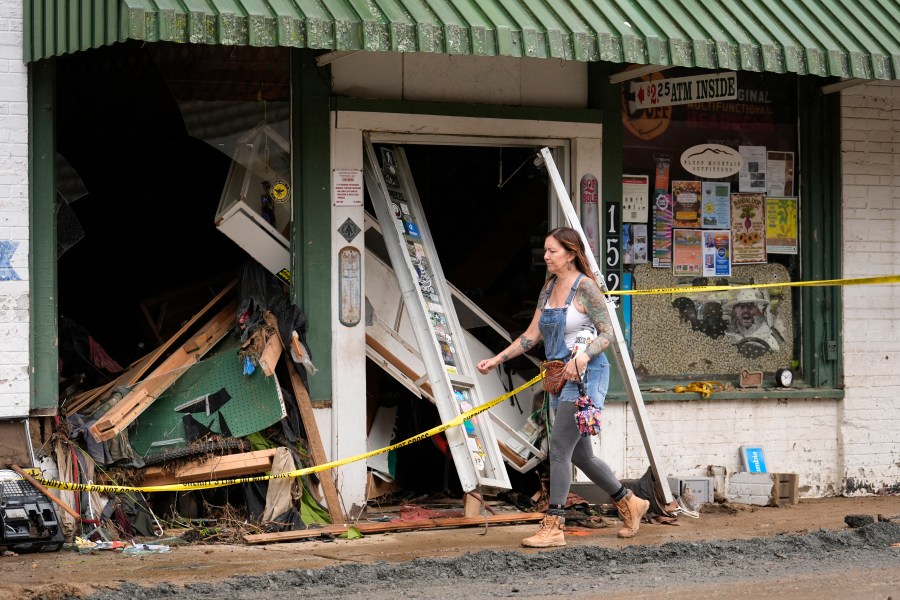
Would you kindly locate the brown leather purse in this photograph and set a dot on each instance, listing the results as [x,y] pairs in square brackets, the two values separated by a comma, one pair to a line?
[554,378]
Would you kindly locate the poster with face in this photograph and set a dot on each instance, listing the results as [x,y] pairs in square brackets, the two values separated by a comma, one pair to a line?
[748,319]
[717,253]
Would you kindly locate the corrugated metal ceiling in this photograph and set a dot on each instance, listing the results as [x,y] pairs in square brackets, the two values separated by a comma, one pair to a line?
[844,38]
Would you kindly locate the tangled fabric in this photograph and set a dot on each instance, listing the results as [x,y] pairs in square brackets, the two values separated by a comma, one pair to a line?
[554,378]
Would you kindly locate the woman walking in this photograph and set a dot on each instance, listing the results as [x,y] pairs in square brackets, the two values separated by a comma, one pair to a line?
[571,301]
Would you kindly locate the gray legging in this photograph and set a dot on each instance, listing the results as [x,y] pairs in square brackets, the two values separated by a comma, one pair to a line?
[567,447]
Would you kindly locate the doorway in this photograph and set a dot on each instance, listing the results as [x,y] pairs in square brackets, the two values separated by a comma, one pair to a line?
[484,208]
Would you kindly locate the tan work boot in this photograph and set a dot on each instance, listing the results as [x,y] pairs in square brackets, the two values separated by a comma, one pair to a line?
[632,509]
[549,536]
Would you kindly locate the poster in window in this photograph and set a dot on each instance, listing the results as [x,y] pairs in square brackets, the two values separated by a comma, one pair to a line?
[780,174]
[639,242]
[716,204]
[748,229]
[686,197]
[662,231]
[634,243]
[752,176]
[635,198]
[781,225]
[717,253]
[686,252]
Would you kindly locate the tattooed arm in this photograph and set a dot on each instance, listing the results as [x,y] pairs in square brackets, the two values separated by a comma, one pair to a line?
[591,300]
[519,346]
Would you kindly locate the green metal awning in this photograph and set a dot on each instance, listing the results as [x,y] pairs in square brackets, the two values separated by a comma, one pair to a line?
[843,38]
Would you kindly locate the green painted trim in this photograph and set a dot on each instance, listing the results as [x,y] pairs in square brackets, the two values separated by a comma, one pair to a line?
[820,237]
[311,226]
[809,393]
[606,97]
[43,352]
[851,38]
[484,111]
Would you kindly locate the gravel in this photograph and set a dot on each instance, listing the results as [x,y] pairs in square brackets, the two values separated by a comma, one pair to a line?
[578,572]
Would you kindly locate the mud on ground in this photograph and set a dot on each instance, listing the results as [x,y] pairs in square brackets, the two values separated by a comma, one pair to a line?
[804,551]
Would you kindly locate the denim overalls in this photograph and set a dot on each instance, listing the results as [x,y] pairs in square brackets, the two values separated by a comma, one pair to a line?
[552,326]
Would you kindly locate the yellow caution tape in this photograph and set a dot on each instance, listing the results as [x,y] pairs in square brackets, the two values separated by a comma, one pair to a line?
[203,485]
[704,388]
[727,288]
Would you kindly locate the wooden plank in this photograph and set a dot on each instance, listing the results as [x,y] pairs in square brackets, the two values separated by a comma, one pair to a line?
[271,353]
[510,455]
[87,397]
[171,305]
[215,467]
[50,495]
[143,394]
[401,366]
[788,488]
[137,369]
[138,372]
[316,450]
[370,528]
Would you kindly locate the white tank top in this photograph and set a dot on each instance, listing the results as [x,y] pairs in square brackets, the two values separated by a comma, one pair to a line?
[575,322]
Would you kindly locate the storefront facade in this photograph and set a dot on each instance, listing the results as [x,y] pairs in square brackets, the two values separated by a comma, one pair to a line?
[535,89]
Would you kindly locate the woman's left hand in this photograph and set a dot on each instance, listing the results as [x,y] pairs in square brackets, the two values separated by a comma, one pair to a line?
[576,366]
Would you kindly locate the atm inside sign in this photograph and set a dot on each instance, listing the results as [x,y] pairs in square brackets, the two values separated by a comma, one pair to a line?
[683,90]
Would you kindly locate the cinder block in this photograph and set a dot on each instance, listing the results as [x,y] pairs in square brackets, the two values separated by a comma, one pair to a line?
[748,499]
[764,489]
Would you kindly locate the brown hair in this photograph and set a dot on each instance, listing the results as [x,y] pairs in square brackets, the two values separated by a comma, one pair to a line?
[569,239]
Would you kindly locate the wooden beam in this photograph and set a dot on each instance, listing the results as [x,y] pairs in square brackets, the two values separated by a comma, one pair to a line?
[316,450]
[287,536]
[215,467]
[50,495]
[156,354]
[398,363]
[137,369]
[510,455]
[144,393]
[271,353]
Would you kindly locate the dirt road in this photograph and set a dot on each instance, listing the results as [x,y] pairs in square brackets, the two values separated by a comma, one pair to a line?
[803,551]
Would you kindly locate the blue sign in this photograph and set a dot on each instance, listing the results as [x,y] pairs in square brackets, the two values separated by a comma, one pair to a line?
[754,459]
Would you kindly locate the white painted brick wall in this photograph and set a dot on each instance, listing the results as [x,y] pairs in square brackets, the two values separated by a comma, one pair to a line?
[14,275]
[836,447]
[870,417]
[798,436]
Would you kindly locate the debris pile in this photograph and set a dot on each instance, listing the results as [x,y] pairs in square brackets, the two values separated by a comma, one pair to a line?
[225,397]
